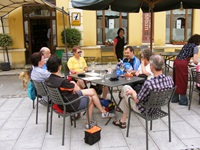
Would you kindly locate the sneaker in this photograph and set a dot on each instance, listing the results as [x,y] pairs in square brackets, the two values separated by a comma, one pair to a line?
[107,115]
[92,123]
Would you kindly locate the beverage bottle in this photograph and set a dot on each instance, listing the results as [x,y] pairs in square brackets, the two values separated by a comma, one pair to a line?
[118,71]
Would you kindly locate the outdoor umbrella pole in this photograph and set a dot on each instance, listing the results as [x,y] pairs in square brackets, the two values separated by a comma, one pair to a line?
[151,31]
[63,17]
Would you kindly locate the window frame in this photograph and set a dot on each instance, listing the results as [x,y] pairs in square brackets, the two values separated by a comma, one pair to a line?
[104,26]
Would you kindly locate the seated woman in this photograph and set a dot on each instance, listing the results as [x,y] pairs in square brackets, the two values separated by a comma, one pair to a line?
[144,69]
[77,64]
[71,91]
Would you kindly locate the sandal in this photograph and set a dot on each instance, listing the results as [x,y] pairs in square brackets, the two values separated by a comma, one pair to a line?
[120,124]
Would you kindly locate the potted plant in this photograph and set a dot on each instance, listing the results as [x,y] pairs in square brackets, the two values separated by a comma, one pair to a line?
[5,42]
[109,42]
[73,37]
[179,42]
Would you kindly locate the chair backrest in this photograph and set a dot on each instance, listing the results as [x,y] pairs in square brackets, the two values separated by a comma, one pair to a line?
[195,76]
[55,95]
[159,99]
[40,88]
[142,47]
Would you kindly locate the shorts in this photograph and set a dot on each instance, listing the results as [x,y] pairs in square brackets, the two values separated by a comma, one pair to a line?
[83,101]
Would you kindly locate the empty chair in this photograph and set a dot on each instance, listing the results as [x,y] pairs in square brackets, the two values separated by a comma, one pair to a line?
[195,79]
[155,101]
[56,99]
[64,62]
[158,51]
[41,92]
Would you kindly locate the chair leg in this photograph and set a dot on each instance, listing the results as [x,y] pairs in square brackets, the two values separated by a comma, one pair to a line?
[51,120]
[169,121]
[37,111]
[71,121]
[199,98]
[129,119]
[190,98]
[147,143]
[63,133]
[33,104]
[151,124]
[74,121]
[47,123]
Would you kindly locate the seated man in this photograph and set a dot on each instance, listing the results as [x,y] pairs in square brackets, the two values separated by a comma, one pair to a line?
[158,83]
[71,91]
[77,64]
[131,58]
[47,53]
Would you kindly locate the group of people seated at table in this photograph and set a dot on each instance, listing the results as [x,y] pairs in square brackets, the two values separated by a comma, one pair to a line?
[150,68]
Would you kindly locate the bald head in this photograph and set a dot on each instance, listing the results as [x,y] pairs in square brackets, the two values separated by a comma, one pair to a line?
[46,52]
[157,61]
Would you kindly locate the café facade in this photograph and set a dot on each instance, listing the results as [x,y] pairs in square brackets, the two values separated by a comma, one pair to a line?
[33,26]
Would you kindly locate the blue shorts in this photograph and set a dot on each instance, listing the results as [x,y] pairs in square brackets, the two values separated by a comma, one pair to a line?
[83,101]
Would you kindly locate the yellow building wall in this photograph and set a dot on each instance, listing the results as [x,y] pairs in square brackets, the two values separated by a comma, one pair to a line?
[135,29]
[16,31]
[196,22]
[15,59]
[89,28]
[16,26]
[159,28]
[59,20]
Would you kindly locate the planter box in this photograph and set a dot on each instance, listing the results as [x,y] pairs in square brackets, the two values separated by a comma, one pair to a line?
[5,66]
[179,43]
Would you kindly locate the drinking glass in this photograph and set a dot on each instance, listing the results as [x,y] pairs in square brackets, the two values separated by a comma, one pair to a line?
[93,64]
[109,65]
[103,74]
[128,74]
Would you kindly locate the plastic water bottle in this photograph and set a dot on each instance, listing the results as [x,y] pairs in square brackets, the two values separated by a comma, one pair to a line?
[118,71]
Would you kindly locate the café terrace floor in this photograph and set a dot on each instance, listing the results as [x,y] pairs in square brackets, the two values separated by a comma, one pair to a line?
[18,130]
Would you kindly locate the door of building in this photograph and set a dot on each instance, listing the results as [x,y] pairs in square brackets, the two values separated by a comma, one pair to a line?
[39,29]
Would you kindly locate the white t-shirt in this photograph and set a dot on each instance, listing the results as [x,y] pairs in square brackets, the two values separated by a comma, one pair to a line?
[148,69]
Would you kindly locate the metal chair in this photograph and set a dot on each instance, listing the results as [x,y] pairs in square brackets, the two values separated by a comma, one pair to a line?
[155,101]
[56,98]
[195,79]
[41,91]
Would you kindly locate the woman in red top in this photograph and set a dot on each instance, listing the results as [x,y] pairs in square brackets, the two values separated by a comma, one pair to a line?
[119,43]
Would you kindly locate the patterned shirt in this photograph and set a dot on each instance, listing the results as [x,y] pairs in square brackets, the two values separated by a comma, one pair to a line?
[158,83]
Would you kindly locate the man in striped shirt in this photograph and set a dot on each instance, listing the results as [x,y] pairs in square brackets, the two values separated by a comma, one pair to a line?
[158,83]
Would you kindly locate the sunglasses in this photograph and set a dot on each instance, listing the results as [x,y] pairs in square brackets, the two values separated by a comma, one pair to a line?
[79,52]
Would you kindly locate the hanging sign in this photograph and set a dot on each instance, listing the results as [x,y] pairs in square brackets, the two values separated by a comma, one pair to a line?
[76,19]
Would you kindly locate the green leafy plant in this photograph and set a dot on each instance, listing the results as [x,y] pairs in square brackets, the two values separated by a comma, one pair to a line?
[73,37]
[5,41]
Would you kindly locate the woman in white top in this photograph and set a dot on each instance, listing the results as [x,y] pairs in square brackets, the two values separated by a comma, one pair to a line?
[144,67]
[143,70]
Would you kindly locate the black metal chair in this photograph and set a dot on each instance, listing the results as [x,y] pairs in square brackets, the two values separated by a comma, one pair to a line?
[155,101]
[56,98]
[195,79]
[41,91]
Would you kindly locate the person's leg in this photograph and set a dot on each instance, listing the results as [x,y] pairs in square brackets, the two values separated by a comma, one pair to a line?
[81,84]
[95,99]
[175,98]
[125,107]
[92,93]
[104,92]
[183,100]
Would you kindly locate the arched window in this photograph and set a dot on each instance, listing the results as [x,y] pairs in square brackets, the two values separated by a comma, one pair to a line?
[178,25]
